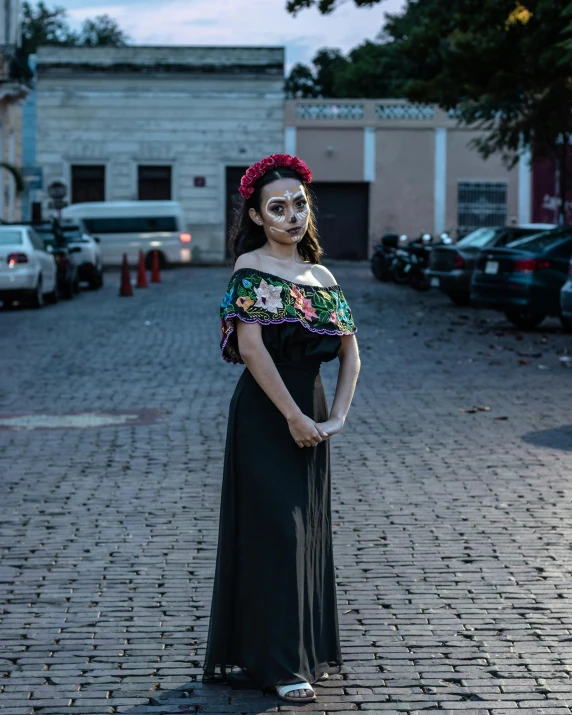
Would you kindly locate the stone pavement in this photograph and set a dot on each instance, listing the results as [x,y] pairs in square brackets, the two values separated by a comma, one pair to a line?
[452,524]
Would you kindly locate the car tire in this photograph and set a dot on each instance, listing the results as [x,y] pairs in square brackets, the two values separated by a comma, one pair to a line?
[379,268]
[460,299]
[67,291]
[525,319]
[54,296]
[566,323]
[37,300]
[399,274]
[149,261]
[96,281]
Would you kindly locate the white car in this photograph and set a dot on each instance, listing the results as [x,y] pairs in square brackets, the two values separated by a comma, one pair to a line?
[27,270]
[88,257]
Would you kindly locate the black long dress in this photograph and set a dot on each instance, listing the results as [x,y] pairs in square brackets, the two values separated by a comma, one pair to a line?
[273,613]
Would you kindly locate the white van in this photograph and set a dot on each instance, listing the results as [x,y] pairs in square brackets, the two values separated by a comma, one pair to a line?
[128,226]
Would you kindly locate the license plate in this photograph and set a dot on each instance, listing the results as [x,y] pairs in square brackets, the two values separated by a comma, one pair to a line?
[435,282]
[492,267]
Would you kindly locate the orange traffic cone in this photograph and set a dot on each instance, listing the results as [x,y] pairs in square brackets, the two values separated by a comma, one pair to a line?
[125,288]
[141,274]
[155,277]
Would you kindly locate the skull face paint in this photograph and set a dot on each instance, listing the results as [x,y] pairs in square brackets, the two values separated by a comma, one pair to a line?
[290,208]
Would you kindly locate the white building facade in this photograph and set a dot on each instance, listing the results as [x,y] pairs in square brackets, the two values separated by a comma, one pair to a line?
[178,123]
[13,91]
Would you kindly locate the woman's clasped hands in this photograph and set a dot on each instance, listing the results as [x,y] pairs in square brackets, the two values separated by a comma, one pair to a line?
[307,433]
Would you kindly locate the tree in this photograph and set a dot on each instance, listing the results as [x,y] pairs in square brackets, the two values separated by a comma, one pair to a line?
[324,6]
[319,79]
[501,67]
[102,31]
[42,25]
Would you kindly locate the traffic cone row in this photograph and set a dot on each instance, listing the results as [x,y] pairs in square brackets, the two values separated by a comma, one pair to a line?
[125,288]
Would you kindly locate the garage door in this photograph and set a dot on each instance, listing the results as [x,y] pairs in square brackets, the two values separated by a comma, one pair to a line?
[343,219]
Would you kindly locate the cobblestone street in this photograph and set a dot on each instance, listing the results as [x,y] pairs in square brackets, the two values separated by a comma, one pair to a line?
[452,505]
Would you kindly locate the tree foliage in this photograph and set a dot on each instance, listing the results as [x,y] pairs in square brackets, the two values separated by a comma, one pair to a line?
[502,66]
[324,6]
[43,25]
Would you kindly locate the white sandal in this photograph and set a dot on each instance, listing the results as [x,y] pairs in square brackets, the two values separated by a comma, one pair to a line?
[283,690]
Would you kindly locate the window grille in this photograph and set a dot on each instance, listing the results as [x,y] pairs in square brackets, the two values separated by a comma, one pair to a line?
[330,111]
[404,111]
[480,204]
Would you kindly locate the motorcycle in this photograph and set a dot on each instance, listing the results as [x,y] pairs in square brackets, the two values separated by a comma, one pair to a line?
[383,256]
[411,262]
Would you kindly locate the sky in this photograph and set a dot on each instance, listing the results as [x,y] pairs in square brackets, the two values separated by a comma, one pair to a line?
[237,22]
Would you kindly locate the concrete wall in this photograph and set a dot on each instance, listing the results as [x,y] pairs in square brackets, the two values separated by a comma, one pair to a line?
[413,157]
[197,109]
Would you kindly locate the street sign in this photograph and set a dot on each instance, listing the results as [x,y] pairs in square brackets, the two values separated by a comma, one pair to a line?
[57,190]
[33,177]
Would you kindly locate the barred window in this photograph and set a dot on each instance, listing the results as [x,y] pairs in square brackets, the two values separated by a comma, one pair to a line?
[480,204]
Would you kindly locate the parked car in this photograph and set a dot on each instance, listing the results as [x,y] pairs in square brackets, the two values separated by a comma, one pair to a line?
[131,226]
[88,259]
[27,271]
[55,242]
[451,266]
[566,301]
[524,279]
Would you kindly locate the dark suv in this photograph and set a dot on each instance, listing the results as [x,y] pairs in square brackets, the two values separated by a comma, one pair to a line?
[55,242]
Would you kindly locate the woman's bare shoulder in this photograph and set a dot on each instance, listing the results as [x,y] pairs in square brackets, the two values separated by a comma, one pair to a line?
[322,274]
[248,260]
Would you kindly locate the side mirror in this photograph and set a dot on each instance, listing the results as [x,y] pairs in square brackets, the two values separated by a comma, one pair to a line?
[97,239]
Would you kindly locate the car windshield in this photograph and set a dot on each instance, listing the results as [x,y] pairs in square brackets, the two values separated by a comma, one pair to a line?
[477,238]
[74,234]
[541,241]
[9,238]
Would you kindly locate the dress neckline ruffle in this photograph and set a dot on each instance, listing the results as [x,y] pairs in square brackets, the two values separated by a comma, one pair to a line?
[285,280]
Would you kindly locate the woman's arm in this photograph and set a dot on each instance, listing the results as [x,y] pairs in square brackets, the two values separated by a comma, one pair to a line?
[259,362]
[347,378]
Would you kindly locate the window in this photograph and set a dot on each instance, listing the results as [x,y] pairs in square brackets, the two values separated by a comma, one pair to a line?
[36,240]
[541,241]
[137,224]
[480,204]
[73,234]
[154,183]
[9,238]
[88,183]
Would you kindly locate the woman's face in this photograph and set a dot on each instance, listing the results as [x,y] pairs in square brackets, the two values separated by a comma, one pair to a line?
[284,211]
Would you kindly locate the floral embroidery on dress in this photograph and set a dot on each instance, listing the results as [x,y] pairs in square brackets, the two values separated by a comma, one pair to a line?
[259,297]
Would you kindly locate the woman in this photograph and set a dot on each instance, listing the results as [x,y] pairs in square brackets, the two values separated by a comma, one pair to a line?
[274,610]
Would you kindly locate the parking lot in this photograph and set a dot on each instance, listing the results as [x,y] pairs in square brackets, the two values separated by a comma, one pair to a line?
[452,503]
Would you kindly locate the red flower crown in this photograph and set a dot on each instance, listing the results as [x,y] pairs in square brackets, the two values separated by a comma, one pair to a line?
[254,172]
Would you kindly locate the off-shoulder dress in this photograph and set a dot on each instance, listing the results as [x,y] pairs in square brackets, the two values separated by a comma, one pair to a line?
[273,616]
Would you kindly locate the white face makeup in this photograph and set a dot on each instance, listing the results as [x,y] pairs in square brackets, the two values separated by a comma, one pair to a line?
[286,205]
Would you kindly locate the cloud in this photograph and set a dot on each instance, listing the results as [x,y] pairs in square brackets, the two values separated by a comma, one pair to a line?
[257,22]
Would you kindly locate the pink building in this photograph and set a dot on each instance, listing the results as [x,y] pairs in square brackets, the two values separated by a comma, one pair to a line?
[390,166]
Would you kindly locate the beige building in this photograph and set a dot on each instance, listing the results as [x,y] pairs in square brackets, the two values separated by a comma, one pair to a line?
[390,166]
[12,92]
[180,123]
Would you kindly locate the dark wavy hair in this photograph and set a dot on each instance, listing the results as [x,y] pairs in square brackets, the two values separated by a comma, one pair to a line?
[245,235]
